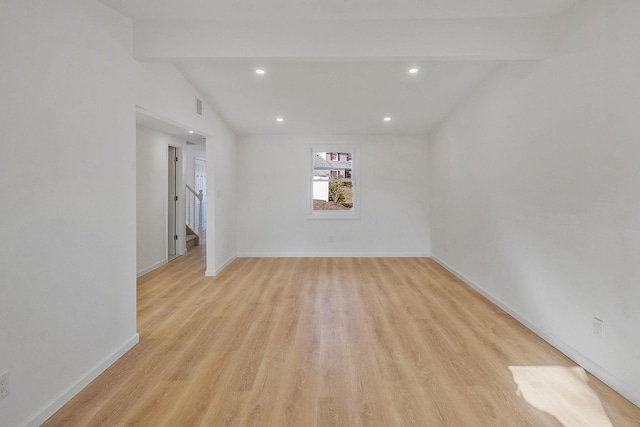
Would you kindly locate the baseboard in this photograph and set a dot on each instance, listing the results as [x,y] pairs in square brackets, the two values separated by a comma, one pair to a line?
[225,264]
[596,370]
[152,267]
[333,255]
[81,383]
[217,271]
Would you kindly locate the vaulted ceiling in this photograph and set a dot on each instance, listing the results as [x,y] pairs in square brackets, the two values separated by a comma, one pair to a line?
[339,66]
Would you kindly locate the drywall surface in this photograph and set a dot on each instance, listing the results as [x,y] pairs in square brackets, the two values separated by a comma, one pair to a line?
[163,93]
[222,188]
[534,191]
[274,190]
[344,38]
[67,265]
[152,196]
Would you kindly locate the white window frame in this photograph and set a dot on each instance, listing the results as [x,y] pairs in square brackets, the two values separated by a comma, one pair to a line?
[353,213]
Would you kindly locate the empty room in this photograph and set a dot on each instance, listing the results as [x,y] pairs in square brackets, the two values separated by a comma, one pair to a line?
[320,213]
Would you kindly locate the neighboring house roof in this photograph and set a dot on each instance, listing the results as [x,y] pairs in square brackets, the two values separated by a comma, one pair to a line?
[339,165]
[320,163]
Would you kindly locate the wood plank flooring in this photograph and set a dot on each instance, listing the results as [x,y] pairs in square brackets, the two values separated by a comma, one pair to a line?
[322,342]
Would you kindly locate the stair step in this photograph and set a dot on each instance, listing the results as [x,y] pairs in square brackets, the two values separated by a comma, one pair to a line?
[191,240]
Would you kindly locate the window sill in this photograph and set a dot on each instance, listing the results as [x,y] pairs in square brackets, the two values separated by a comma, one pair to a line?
[333,215]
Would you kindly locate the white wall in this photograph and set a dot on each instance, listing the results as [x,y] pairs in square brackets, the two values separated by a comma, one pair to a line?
[166,95]
[67,112]
[274,189]
[222,188]
[534,191]
[67,173]
[152,197]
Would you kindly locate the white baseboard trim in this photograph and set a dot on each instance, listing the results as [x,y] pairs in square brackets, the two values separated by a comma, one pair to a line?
[225,264]
[333,255]
[152,267]
[217,271]
[57,403]
[596,370]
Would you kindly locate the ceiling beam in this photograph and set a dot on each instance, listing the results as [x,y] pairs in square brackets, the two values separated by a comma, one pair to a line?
[488,39]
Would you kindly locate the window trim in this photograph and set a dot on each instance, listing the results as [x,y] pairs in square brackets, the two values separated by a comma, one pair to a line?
[354,213]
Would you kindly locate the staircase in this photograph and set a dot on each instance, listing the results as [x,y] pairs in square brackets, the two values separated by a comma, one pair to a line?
[196,225]
[192,238]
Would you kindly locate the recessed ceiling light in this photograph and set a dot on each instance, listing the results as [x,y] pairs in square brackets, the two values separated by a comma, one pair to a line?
[260,71]
[280,119]
[413,70]
[387,119]
[190,131]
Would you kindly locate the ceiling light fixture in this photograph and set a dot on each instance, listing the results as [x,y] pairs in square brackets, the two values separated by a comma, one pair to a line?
[413,70]
[280,119]
[387,119]
[190,131]
[260,71]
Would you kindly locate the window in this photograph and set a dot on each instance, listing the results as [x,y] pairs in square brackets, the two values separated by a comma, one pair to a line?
[333,183]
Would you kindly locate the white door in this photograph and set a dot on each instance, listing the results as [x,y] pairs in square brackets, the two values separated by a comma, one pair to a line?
[201,184]
[172,229]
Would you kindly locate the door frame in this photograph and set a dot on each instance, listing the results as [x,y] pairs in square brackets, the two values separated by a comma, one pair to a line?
[180,206]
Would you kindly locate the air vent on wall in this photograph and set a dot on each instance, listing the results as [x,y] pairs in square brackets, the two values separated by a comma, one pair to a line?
[199,106]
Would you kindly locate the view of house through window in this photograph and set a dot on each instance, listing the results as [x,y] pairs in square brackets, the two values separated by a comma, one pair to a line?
[332,181]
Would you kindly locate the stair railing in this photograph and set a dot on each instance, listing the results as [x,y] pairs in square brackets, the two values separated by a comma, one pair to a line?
[195,219]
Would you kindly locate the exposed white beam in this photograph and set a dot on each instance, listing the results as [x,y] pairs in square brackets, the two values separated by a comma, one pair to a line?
[490,39]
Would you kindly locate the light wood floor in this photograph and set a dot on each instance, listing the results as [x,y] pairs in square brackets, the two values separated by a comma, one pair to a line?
[326,342]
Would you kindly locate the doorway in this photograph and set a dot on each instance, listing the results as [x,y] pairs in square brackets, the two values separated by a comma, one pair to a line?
[172,210]
[201,185]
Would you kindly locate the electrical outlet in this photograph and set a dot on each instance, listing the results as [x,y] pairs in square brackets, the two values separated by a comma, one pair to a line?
[597,327]
[4,385]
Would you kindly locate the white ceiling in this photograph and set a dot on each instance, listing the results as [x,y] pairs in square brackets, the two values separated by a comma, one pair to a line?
[335,97]
[319,92]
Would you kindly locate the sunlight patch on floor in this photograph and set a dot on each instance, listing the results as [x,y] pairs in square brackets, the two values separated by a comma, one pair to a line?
[561,392]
